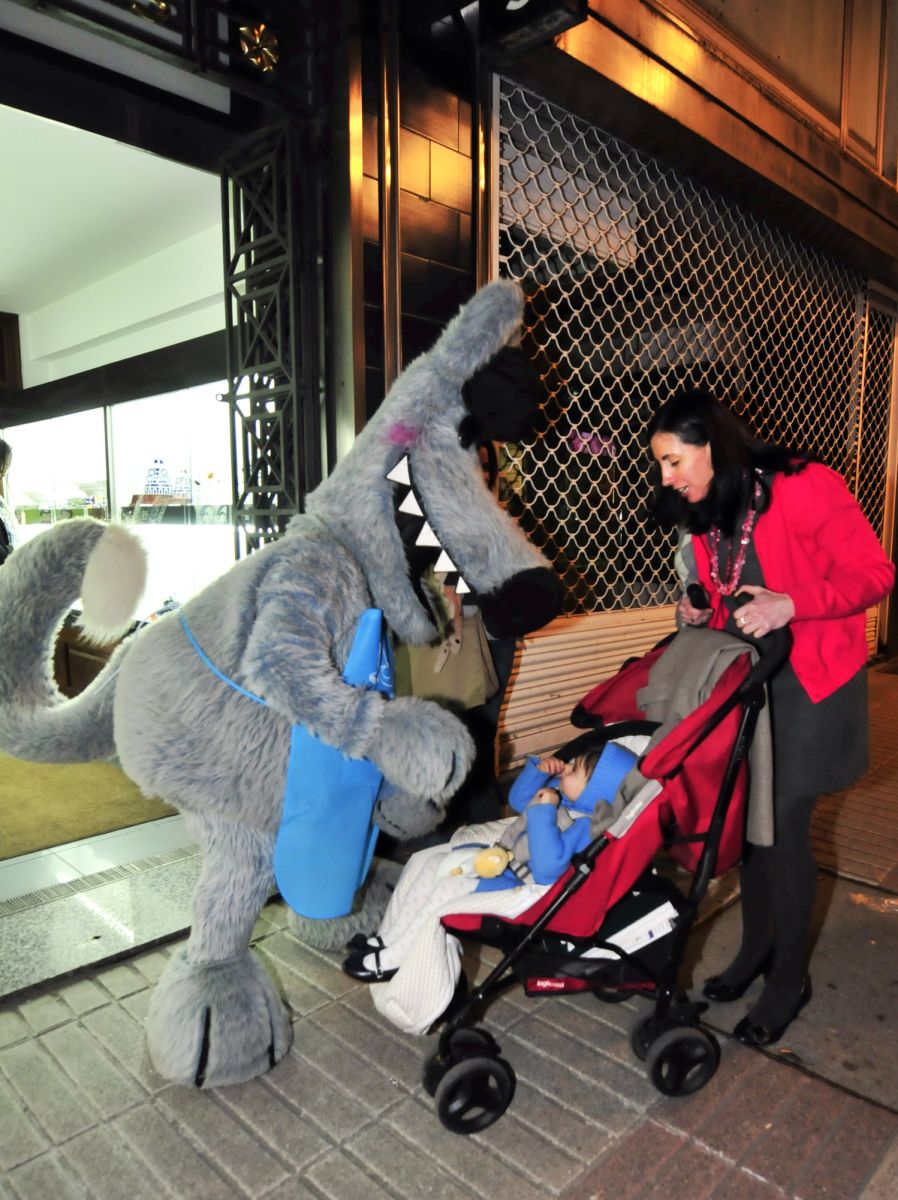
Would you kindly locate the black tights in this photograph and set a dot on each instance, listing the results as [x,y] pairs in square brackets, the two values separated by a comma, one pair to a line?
[778,886]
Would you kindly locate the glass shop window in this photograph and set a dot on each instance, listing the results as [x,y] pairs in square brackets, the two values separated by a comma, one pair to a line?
[171,466]
[58,471]
[168,476]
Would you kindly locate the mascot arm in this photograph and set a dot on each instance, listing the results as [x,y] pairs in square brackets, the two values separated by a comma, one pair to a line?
[291,659]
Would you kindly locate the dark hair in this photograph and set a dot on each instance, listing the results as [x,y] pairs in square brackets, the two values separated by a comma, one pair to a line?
[695,417]
[588,759]
[5,457]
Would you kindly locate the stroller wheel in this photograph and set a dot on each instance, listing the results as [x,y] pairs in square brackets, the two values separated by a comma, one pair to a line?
[642,1034]
[463,1044]
[681,1061]
[474,1094]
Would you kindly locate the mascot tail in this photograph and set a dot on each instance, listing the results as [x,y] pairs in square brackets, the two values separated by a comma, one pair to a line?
[106,566]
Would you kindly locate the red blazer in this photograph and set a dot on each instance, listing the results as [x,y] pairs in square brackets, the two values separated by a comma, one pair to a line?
[815,544]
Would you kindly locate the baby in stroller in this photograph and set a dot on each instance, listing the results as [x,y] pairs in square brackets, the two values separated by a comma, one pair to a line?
[562,804]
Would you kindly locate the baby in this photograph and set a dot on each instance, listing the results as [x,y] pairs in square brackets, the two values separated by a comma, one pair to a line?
[563,806]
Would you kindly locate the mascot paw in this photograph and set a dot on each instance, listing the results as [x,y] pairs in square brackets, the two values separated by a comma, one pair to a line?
[422,749]
[216,1023]
[332,933]
[406,817]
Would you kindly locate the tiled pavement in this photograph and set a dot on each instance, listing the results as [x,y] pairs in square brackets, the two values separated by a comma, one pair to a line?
[344,1115]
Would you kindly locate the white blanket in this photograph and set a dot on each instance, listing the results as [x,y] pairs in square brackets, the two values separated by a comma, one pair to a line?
[423,986]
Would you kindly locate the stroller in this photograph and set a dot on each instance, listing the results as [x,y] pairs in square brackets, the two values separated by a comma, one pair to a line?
[612,925]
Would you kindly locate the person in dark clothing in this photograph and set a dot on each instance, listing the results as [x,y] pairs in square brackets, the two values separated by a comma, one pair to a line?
[8,525]
[777,540]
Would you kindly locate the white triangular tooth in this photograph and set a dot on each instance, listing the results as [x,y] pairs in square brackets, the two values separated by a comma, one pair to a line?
[427,537]
[445,563]
[461,587]
[400,473]
[411,505]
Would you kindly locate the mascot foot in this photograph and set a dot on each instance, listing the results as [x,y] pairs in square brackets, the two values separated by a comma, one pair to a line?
[216,1023]
[332,933]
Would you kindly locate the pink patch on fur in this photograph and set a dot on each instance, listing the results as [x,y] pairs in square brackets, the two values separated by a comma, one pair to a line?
[401,434]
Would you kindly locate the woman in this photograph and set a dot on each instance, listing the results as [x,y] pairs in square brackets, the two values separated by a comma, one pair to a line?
[777,540]
[9,528]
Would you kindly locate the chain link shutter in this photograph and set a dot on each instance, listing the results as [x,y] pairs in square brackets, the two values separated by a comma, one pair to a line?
[640,281]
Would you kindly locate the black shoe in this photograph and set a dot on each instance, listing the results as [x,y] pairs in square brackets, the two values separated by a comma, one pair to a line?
[717,989]
[365,941]
[354,965]
[753,1034]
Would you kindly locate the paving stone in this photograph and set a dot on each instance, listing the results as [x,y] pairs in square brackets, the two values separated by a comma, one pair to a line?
[170,1157]
[151,965]
[125,1040]
[44,1012]
[550,1166]
[274,1123]
[108,1168]
[851,1155]
[338,1177]
[382,1067]
[749,1109]
[323,973]
[588,1028]
[473,1162]
[581,1136]
[739,1185]
[632,1163]
[315,1097]
[884,1183]
[102,1082]
[54,1102]
[692,1173]
[346,1066]
[575,1096]
[395,1165]
[689,1113]
[301,996]
[82,996]
[12,1027]
[121,980]
[221,1139]
[138,1005]
[801,1126]
[356,1022]
[47,1177]
[587,1061]
[20,1138]
[292,1189]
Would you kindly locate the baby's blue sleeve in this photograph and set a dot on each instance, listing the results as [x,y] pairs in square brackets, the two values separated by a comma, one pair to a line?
[527,784]
[551,850]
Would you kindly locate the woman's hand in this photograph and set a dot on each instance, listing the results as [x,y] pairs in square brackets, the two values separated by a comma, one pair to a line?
[767,610]
[690,615]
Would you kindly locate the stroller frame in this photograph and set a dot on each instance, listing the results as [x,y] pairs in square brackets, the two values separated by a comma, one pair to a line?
[472,1084]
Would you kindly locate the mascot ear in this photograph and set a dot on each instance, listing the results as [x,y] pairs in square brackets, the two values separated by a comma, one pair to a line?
[502,399]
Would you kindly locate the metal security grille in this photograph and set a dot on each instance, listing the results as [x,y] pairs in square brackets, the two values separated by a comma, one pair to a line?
[641,281]
[272,349]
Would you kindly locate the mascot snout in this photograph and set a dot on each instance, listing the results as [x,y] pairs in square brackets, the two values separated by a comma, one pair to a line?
[525,602]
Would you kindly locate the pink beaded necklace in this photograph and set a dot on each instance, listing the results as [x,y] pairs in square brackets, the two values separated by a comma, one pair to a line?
[734,569]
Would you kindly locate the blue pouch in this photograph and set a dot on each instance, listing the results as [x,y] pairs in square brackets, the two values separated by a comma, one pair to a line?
[326,839]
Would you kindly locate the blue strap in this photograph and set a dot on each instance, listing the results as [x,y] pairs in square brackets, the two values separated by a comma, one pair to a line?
[211,665]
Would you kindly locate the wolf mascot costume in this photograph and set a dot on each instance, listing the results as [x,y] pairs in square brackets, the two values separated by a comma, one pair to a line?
[280,625]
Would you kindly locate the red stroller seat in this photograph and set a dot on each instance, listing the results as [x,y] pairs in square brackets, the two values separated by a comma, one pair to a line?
[693,805]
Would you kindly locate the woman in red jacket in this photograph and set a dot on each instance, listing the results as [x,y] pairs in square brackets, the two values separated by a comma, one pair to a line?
[771,525]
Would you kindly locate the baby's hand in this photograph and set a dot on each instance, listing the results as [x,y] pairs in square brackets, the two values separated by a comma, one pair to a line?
[552,766]
[546,796]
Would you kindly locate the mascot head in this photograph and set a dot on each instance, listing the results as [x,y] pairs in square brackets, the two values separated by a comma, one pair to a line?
[410,499]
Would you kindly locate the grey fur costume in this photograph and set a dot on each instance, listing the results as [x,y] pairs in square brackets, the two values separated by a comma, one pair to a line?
[280,623]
